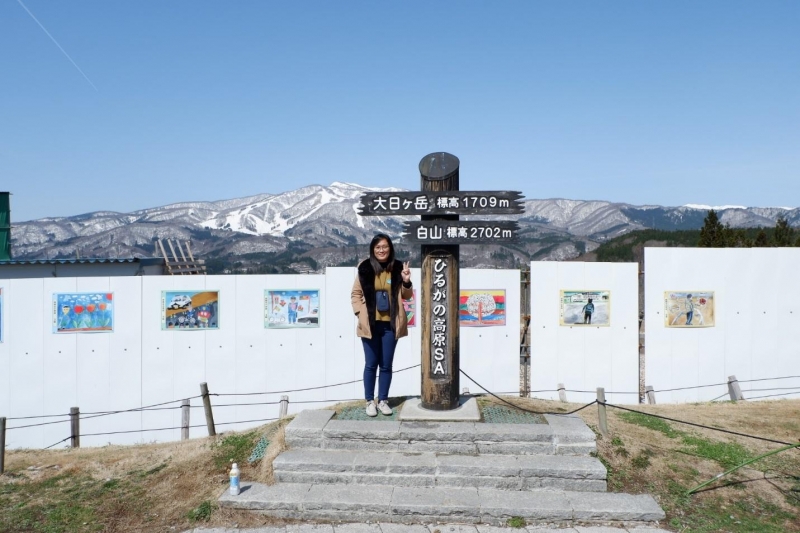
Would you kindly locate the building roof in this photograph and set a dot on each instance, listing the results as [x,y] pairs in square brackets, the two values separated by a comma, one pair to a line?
[143,260]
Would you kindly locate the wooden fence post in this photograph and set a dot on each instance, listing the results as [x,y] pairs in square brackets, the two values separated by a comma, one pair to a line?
[601,411]
[562,393]
[207,407]
[651,394]
[284,406]
[734,390]
[185,419]
[2,444]
[75,427]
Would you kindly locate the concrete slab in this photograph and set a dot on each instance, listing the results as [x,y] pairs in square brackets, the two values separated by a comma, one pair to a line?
[261,497]
[435,501]
[477,465]
[543,505]
[403,528]
[361,429]
[439,431]
[412,463]
[454,528]
[466,412]
[315,460]
[309,528]
[357,528]
[489,433]
[596,529]
[371,498]
[615,506]
[309,423]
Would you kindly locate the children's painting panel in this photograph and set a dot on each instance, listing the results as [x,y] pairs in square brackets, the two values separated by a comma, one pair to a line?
[186,310]
[585,308]
[82,312]
[291,308]
[689,309]
[410,307]
[482,307]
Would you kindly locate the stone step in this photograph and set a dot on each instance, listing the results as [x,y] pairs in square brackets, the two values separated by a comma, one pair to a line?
[384,527]
[318,501]
[427,469]
[562,435]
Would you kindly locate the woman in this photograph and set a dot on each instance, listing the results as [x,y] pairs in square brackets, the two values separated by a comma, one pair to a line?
[378,292]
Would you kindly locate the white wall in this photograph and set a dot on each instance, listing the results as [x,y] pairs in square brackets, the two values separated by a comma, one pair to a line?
[584,358]
[756,336]
[138,364]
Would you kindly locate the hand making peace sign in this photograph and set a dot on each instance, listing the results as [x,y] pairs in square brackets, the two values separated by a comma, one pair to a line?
[406,272]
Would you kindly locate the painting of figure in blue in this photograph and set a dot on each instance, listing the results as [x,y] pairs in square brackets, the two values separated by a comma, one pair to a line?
[291,309]
[77,312]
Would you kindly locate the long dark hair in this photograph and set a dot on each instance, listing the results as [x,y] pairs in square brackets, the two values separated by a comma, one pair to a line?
[376,265]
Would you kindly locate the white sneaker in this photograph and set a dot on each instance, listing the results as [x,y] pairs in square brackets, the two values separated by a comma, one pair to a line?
[384,408]
[371,409]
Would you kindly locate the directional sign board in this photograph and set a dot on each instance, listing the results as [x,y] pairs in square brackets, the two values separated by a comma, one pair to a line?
[460,232]
[441,203]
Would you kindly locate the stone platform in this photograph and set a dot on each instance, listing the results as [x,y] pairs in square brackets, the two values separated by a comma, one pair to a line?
[418,472]
[467,411]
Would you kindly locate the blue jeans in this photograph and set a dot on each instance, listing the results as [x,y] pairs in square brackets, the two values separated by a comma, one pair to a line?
[378,352]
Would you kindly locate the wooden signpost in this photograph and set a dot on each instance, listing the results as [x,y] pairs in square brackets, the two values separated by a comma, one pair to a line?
[440,232]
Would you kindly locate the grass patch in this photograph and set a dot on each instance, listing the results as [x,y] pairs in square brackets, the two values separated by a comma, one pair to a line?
[64,503]
[642,459]
[201,513]
[619,446]
[516,522]
[750,515]
[656,424]
[727,454]
[234,448]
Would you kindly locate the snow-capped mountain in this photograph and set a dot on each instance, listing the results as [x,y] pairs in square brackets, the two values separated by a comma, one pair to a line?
[322,221]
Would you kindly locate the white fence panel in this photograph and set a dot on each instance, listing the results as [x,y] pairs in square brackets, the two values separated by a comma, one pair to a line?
[585,357]
[757,300]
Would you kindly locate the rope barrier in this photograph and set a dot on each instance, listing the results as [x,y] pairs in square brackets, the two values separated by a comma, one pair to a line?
[765,379]
[695,387]
[776,388]
[305,389]
[160,429]
[522,408]
[29,417]
[595,392]
[772,395]
[37,425]
[698,425]
[57,443]
[159,406]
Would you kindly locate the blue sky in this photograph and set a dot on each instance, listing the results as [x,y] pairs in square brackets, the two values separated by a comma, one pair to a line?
[663,102]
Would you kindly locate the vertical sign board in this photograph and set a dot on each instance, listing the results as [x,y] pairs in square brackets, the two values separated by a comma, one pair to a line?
[440,232]
[440,349]
[438,318]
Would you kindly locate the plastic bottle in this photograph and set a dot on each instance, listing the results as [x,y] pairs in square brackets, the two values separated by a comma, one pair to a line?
[234,490]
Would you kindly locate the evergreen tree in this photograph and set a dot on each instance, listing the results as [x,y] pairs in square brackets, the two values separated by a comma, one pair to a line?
[712,234]
[761,239]
[784,234]
[737,238]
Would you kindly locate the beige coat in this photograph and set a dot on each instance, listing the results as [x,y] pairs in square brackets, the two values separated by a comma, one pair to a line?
[362,298]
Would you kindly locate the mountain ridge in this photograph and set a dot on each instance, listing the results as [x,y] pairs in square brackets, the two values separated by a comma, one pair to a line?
[322,223]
